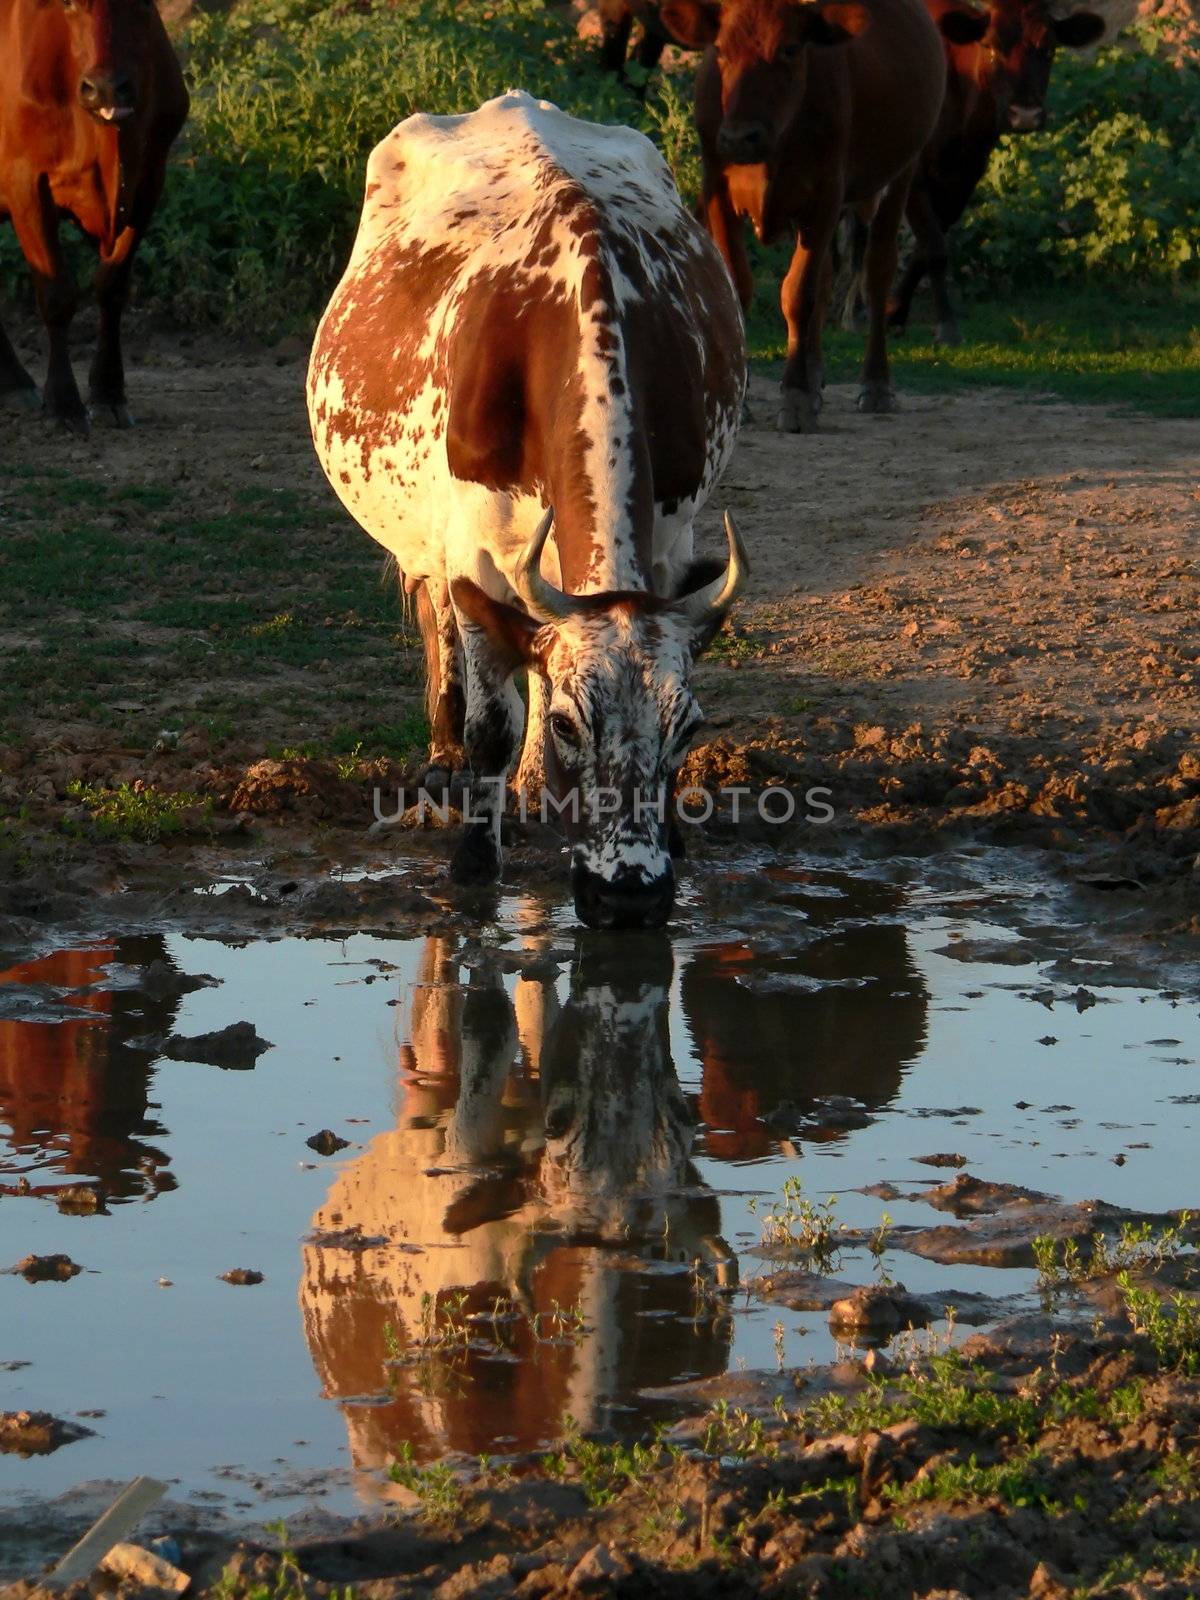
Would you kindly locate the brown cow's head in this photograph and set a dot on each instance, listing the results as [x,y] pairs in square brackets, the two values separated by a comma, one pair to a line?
[762,49]
[1021,42]
[111,45]
[621,715]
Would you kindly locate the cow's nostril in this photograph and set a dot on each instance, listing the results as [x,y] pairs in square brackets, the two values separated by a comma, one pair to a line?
[89,93]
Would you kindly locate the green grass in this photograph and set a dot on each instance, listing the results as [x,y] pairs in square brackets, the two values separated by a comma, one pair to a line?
[1122,346]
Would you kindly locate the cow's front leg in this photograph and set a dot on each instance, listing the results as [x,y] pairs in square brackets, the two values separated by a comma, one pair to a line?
[803,299]
[876,393]
[106,380]
[494,721]
[444,692]
[35,218]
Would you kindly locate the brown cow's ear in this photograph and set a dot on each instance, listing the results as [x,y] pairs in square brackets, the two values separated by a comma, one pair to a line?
[510,632]
[691,23]
[1078,29]
[963,26]
[834,23]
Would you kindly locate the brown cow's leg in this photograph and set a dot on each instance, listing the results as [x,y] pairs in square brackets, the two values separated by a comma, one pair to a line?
[17,388]
[876,393]
[729,235]
[36,224]
[444,698]
[494,723]
[615,27]
[803,297]
[932,256]
[106,380]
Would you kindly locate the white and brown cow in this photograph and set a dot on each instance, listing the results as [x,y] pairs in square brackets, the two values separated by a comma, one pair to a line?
[530,319]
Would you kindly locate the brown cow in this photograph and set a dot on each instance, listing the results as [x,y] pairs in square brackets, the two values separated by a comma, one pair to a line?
[994,87]
[803,109]
[91,97]
[616,25]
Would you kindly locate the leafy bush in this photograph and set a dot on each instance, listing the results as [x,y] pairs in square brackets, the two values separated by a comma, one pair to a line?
[289,96]
[1111,188]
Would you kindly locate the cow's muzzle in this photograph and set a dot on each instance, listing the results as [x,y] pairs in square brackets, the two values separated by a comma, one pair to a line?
[1026,119]
[108,96]
[627,900]
[743,143]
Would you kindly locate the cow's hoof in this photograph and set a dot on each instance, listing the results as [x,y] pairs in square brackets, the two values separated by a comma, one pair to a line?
[798,412]
[477,858]
[877,398]
[115,411]
[947,333]
[443,780]
[71,415]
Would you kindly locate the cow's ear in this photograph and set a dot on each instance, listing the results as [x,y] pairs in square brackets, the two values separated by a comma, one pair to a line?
[1078,29]
[834,23]
[961,26]
[510,632]
[691,23]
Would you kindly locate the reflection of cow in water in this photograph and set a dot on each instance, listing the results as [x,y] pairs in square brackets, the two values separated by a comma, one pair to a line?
[75,1094]
[762,1044]
[538,1162]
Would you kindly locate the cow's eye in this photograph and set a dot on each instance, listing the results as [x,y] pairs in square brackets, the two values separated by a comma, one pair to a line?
[562,727]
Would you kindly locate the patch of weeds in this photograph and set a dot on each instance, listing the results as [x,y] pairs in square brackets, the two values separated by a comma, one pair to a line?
[139,811]
[287,1582]
[603,1471]
[946,1393]
[735,1433]
[1015,1481]
[797,705]
[795,1223]
[436,1486]
[1170,1322]
[1173,1561]
[1138,1247]
[730,646]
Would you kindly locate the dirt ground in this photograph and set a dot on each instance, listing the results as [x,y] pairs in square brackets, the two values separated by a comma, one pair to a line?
[977,618]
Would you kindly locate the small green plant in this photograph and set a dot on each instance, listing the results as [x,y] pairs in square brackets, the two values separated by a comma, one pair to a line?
[1138,1247]
[796,1223]
[734,1432]
[1015,1481]
[603,1470]
[139,811]
[287,1583]
[438,1490]
[1170,1322]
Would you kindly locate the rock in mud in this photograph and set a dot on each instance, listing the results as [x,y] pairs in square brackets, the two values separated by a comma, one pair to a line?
[242,1275]
[878,1310]
[946,1159]
[1006,1239]
[235,1048]
[149,1572]
[598,1569]
[36,1433]
[971,1197]
[79,1200]
[46,1269]
[326,1143]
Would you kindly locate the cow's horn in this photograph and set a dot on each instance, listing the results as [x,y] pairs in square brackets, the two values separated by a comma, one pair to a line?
[716,597]
[542,599]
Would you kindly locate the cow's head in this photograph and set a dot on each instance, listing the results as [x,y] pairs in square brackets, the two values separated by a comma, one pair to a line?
[621,715]
[111,48]
[1021,42]
[762,50]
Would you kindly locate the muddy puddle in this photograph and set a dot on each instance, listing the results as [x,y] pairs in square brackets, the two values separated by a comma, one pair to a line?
[559,1154]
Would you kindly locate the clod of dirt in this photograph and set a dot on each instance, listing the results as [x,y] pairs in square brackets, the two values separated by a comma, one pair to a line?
[326,1143]
[235,1048]
[878,1310]
[598,1569]
[79,1200]
[36,1433]
[46,1269]
[1006,1240]
[968,1197]
[867,1309]
[944,1160]
[242,1275]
